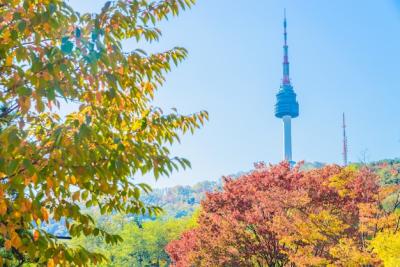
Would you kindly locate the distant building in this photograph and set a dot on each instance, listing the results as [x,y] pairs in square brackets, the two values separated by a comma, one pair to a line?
[286,106]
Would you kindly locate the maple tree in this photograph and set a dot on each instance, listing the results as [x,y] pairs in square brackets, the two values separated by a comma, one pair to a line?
[279,216]
[50,166]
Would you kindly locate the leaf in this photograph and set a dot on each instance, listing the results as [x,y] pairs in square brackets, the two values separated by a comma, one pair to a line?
[52,8]
[7,244]
[28,165]
[76,196]
[34,178]
[36,235]
[3,207]
[66,45]
[16,241]
[45,214]
[73,179]
[21,26]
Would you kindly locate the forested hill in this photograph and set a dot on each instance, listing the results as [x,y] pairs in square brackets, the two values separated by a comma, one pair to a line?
[179,201]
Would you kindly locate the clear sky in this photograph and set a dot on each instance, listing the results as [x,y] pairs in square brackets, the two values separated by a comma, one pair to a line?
[344,57]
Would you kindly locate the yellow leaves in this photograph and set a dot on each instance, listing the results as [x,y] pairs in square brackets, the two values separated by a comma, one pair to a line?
[386,191]
[104,187]
[46,76]
[328,223]
[9,61]
[148,88]
[3,207]
[17,214]
[347,253]
[24,103]
[313,229]
[73,179]
[50,263]
[46,26]
[368,214]
[387,246]
[341,181]
[5,37]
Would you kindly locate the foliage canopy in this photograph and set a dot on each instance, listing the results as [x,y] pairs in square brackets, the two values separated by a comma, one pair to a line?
[144,241]
[49,166]
[279,216]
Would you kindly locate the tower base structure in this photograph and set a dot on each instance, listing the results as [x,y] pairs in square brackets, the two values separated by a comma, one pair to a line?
[287,128]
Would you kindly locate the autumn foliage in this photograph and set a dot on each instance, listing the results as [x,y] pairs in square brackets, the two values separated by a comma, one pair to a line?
[52,166]
[278,216]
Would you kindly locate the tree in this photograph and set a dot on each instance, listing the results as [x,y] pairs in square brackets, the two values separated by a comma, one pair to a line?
[143,245]
[51,166]
[283,216]
[387,245]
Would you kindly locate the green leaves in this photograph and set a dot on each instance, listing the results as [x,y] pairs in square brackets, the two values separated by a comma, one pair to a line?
[24,91]
[66,45]
[48,165]
[21,26]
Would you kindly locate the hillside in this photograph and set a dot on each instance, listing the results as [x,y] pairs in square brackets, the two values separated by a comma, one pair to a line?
[180,201]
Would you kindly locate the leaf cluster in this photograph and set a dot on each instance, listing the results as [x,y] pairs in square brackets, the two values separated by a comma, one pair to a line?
[51,166]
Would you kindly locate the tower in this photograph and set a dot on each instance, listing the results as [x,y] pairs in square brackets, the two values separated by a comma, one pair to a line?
[345,149]
[286,107]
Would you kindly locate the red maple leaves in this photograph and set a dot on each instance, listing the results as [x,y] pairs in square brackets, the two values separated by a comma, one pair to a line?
[277,215]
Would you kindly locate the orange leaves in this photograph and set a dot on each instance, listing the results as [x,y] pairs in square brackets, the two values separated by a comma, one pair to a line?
[36,235]
[50,263]
[15,240]
[3,207]
[76,196]
[50,183]
[26,206]
[388,190]
[9,60]
[34,178]
[45,214]
[287,216]
[8,17]
[73,179]
[115,132]
[7,244]
[46,27]
[99,96]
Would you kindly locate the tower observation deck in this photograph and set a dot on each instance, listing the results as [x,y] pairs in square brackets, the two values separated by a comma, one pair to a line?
[286,106]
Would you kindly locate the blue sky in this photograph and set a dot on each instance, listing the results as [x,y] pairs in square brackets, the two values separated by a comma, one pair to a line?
[344,57]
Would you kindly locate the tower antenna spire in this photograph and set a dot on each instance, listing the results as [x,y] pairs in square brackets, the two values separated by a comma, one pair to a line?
[345,148]
[286,79]
[286,107]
